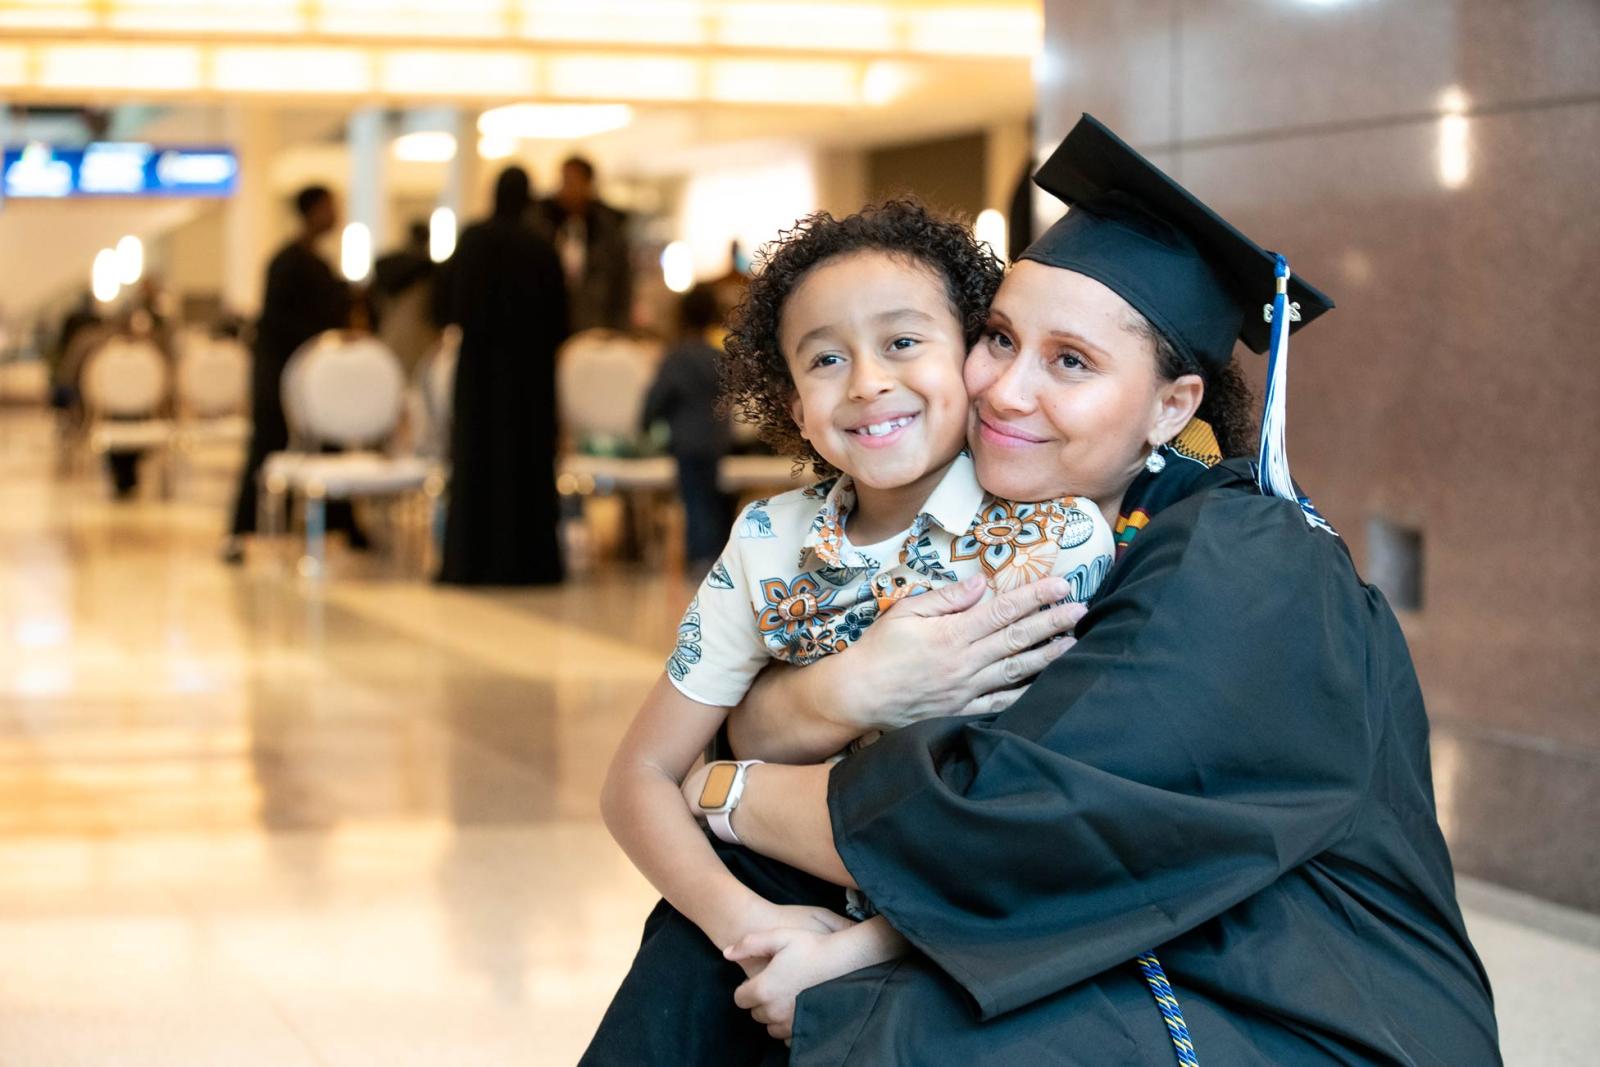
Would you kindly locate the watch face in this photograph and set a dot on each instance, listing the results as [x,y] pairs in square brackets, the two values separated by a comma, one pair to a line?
[715,792]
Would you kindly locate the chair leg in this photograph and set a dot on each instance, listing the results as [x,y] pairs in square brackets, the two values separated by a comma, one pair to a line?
[314,561]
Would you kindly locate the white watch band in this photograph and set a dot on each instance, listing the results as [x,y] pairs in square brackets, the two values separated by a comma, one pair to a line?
[721,823]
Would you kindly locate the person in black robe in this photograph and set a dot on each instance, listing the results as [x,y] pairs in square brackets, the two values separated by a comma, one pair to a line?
[1205,834]
[507,293]
[303,298]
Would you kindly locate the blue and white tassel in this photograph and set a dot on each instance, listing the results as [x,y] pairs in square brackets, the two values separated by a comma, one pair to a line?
[1272,464]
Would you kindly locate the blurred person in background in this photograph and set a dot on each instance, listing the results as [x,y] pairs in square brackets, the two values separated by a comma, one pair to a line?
[684,396]
[303,298]
[81,329]
[508,295]
[403,298]
[591,237]
[143,322]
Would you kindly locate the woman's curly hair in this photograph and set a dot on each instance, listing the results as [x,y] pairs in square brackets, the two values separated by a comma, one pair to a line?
[757,386]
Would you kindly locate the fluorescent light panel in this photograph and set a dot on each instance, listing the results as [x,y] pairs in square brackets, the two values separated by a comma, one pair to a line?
[613,77]
[207,16]
[478,19]
[269,69]
[558,122]
[424,146]
[119,66]
[653,22]
[454,74]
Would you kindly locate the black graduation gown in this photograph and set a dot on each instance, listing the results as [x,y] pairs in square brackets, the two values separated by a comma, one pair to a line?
[508,295]
[1231,768]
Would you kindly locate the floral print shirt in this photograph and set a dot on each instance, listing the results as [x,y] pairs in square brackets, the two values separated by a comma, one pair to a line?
[790,585]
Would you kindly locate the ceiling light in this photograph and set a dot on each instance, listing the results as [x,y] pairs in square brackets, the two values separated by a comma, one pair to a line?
[677,266]
[441,234]
[496,147]
[424,146]
[103,277]
[355,252]
[553,122]
[990,229]
[130,259]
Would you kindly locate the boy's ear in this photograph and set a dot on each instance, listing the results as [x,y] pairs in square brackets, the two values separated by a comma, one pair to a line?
[797,413]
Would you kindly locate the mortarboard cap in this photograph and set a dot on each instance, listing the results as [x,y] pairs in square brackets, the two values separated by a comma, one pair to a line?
[1197,279]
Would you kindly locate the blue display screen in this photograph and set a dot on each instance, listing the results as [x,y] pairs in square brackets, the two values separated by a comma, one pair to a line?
[119,168]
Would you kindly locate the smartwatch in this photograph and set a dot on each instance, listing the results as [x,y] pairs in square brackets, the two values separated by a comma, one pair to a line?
[720,795]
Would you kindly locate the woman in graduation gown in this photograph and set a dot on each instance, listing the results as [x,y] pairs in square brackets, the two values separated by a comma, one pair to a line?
[1204,834]
[506,290]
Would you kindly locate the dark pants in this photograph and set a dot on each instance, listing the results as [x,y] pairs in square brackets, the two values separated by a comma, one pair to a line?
[675,1007]
[706,511]
[268,434]
[124,469]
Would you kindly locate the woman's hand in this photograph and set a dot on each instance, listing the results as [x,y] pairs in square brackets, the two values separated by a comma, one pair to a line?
[949,652]
[945,652]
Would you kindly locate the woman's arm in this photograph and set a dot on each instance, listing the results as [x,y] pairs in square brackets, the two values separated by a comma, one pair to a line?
[783,814]
[1210,732]
[946,652]
[641,806]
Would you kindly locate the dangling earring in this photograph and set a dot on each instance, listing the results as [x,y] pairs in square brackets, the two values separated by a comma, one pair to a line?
[1155,462]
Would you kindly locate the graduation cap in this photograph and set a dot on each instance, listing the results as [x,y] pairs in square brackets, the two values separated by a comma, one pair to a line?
[1199,281]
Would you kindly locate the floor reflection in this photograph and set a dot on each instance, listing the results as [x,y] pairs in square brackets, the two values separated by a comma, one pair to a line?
[244,820]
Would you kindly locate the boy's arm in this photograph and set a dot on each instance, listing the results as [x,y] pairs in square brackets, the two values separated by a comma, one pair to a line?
[644,811]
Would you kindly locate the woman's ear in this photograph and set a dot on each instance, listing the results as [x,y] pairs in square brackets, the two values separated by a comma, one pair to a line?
[1176,403]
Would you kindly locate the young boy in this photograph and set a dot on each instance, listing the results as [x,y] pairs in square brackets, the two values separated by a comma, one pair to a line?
[847,352]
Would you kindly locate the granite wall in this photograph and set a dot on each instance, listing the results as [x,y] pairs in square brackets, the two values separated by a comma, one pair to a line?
[1435,166]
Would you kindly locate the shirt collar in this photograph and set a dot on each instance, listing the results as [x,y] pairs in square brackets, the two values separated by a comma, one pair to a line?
[955,500]
[953,505]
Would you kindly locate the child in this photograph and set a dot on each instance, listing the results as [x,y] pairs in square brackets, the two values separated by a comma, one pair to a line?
[848,353]
[684,396]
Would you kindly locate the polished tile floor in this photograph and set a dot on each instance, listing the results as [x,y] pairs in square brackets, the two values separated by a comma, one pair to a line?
[249,820]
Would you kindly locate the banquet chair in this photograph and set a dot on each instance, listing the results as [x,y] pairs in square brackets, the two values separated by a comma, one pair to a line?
[602,377]
[345,390]
[126,385]
[213,392]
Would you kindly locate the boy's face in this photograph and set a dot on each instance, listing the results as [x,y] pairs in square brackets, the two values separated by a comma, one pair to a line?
[875,352]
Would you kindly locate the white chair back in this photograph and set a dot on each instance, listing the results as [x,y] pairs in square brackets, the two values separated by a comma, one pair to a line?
[602,377]
[213,377]
[343,390]
[125,378]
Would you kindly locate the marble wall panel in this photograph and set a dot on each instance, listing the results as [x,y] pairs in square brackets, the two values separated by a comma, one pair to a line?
[1247,66]
[1114,59]
[1455,389]
[1448,390]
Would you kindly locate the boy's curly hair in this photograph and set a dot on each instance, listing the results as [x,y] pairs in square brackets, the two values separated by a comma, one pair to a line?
[756,382]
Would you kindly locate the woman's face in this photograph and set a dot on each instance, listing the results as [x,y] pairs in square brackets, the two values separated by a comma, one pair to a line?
[1066,397]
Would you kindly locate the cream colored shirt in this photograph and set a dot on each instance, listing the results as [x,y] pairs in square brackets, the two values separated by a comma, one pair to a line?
[791,586]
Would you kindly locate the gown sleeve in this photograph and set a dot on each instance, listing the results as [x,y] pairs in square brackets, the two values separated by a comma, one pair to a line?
[1208,733]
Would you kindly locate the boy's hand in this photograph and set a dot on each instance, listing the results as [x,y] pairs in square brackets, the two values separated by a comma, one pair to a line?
[796,960]
[764,916]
